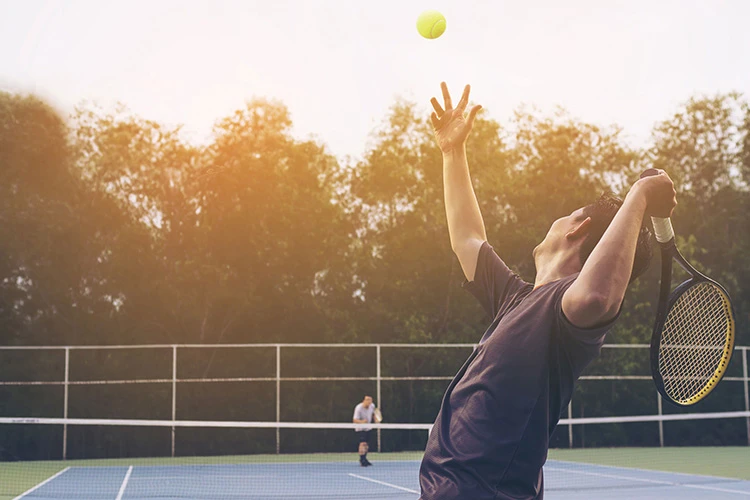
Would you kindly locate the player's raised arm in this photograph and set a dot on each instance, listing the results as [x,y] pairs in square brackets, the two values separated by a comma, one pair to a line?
[596,295]
[465,224]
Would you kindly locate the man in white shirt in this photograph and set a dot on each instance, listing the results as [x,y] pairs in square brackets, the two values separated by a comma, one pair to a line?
[363,413]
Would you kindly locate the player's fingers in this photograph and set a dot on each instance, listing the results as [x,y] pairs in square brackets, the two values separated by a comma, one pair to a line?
[434,119]
[464,98]
[446,96]
[436,106]
[473,114]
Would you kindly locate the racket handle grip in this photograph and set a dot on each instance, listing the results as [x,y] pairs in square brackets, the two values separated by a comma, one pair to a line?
[662,227]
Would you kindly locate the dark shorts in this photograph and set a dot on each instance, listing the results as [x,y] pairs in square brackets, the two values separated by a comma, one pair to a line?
[363,436]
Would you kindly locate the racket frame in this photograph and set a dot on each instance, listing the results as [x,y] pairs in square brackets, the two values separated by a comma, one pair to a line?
[667,299]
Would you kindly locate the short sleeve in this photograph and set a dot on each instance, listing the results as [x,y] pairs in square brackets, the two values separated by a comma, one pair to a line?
[581,345]
[357,413]
[494,283]
[593,335]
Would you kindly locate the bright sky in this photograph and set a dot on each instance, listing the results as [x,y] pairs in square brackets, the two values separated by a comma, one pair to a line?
[340,64]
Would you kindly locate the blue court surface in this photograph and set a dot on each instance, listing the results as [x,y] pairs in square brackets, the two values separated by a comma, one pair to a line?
[392,479]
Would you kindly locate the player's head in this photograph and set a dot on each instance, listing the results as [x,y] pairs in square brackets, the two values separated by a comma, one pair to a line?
[580,232]
[601,212]
[367,401]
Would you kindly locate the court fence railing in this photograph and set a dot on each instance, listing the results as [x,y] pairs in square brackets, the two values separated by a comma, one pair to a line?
[660,417]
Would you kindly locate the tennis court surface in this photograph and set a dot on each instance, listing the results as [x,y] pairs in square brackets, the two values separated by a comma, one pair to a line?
[393,476]
[172,430]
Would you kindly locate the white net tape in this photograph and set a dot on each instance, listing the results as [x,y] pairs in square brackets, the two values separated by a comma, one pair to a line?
[693,341]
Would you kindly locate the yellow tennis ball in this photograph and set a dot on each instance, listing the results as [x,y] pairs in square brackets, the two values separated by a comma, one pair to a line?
[431,24]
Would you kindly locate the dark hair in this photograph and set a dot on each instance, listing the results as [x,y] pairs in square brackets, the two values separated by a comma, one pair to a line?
[602,211]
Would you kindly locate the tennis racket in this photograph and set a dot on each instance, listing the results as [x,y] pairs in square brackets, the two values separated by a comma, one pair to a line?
[378,415]
[694,331]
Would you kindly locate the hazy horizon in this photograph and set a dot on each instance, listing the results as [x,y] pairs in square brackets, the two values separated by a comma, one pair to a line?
[339,66]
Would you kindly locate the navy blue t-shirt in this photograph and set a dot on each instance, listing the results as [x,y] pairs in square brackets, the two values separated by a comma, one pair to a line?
[491,436]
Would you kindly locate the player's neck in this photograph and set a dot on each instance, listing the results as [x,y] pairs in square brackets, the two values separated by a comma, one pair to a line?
[555,266]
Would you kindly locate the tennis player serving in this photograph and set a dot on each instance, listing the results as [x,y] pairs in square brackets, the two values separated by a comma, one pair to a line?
[491,435]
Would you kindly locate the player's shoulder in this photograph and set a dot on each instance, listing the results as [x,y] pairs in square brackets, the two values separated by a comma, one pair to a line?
[551,288]
[560,287]
[564,282]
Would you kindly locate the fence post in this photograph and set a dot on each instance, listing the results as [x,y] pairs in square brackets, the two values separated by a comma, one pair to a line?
[278,397]
[65,403]
[661,422]
[174,393]
[747,394]
[570,425]
[377,373]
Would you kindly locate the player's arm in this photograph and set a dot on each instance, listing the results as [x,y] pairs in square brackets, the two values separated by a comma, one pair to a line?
[465,224]
[596,295]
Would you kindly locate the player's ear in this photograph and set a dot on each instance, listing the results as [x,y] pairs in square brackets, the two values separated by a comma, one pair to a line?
[580,230]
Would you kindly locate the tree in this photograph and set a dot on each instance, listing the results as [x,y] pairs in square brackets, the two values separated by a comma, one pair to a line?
[270,225]
[39,219]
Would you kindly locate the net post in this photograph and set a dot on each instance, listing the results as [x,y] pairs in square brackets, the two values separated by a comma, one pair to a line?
[65,403]
[377,372]
[661,422]
[747,392]
[278,397]
[570,425]
[174,392]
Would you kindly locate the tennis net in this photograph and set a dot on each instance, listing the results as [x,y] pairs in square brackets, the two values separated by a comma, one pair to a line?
[128,459]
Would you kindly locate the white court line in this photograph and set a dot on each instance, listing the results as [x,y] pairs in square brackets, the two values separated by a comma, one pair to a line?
[349,461]
[655,481]
[124,483]
[285,464]
[384,483]
[152,479]
[41,484]
[650,471]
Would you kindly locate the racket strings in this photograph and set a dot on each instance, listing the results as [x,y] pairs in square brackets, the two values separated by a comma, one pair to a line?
[694,338]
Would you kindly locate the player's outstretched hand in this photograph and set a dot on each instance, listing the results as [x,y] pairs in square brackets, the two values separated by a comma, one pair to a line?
[660,194]
[450,126]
